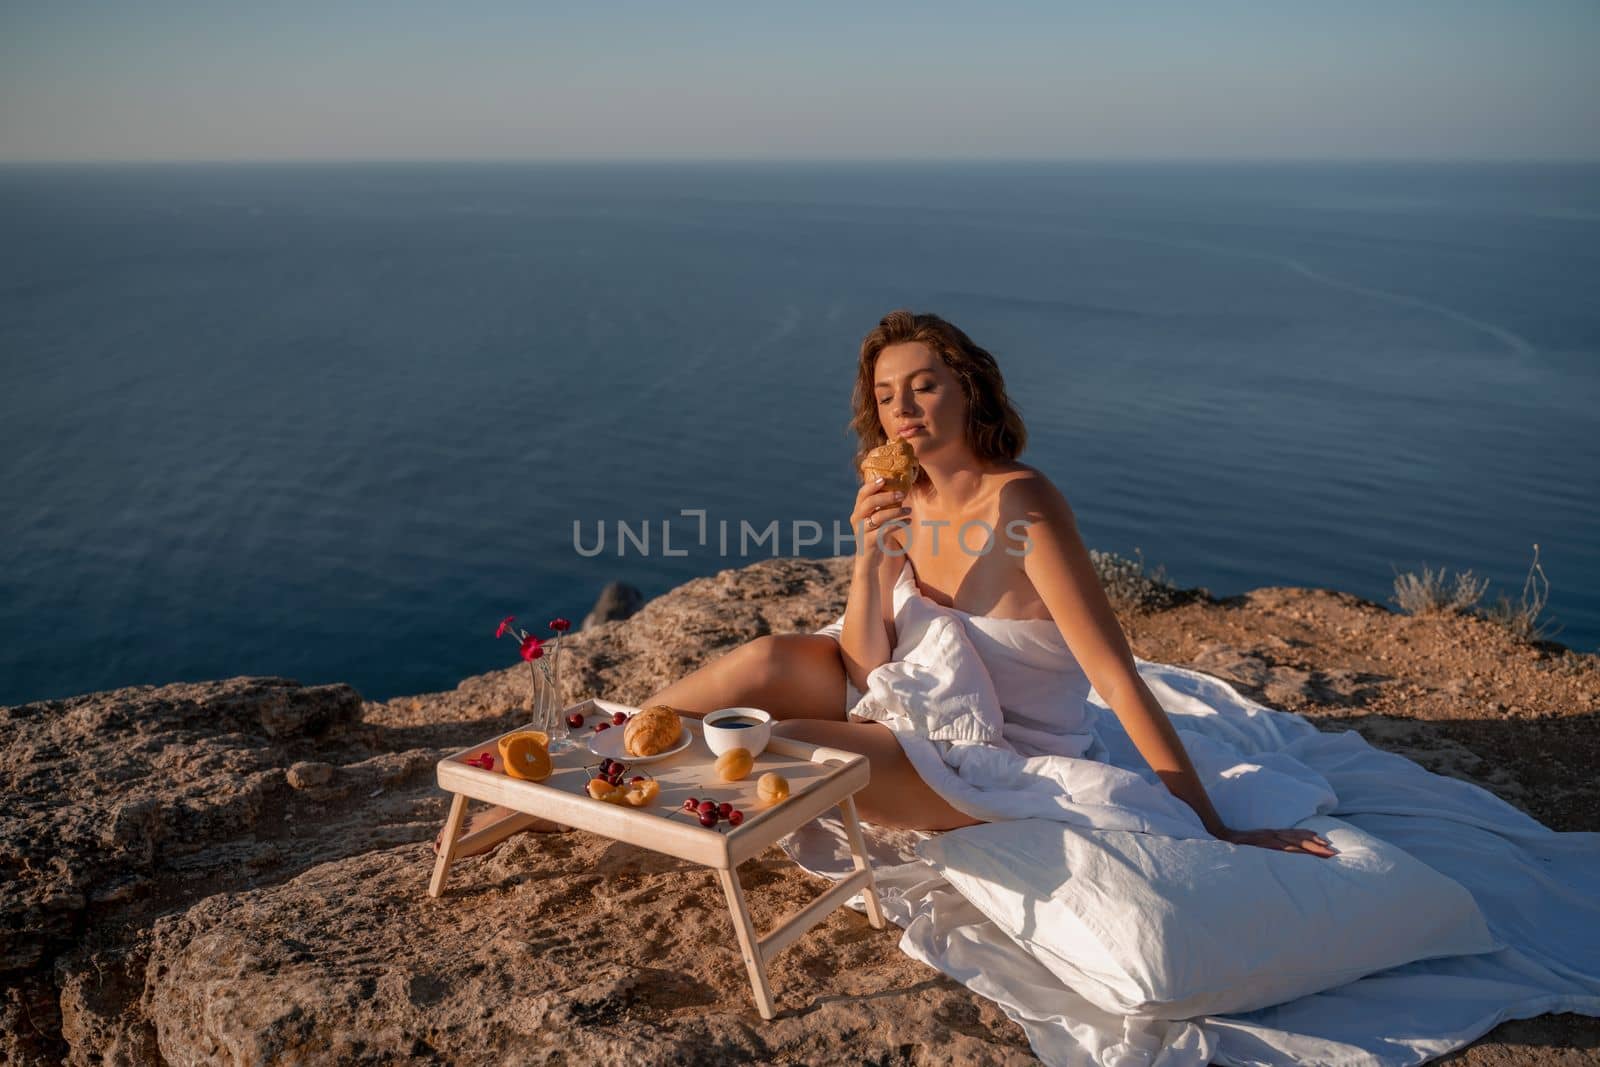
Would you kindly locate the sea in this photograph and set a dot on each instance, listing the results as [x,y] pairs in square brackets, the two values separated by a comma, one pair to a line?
[333,421]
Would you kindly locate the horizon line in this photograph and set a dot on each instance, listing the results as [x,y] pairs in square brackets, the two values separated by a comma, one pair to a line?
[821,161]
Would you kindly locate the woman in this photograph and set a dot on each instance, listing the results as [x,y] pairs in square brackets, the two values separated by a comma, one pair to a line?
[922,380]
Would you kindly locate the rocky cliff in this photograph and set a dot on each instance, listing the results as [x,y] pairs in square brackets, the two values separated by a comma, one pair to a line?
[235,871]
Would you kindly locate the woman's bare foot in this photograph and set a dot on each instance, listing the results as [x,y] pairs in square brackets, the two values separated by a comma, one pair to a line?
[488,829]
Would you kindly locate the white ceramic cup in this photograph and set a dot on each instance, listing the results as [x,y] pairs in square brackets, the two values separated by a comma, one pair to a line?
[725,738]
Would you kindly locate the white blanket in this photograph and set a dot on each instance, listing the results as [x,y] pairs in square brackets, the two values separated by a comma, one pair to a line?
[1538,890]
[994,715]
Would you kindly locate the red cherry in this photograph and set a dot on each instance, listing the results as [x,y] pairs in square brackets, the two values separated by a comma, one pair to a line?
[636,779]
[618,719]
[708,819]
[735,817]
[691,804]
[615,778]
[601,726]
[724,809]
[708,806]
[575,720]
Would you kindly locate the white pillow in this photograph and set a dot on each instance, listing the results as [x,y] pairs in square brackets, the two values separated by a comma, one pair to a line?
[1173,928]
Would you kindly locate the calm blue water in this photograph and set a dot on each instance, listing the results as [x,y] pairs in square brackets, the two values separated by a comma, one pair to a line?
[333,422]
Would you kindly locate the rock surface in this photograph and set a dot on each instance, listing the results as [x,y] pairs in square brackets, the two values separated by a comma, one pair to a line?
[310,774]
[616,601]
[236,871]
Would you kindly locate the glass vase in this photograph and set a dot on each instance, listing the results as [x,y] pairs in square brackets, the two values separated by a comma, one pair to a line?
[545,705]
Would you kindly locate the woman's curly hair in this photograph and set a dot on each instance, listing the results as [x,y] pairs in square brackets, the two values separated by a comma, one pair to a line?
[994,429]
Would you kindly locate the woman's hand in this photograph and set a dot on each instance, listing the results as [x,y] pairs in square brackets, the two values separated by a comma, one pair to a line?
[875,508]
[1308,841]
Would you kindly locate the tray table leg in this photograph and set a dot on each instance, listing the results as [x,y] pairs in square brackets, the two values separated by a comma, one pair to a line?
[858,852]
[449,843]
[480,840]
[749,946]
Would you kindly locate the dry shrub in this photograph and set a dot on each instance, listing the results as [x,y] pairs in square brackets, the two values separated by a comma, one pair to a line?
[1522,618]
[1130,587]
[1434,594]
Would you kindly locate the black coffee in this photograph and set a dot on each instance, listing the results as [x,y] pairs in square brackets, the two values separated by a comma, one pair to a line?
[733,723]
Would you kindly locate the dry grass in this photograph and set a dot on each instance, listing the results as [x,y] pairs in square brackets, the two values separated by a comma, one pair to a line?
[1130,587]
[1522,618]
[1434,593]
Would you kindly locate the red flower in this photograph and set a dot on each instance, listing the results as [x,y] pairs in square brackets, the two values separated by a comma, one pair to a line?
[560,625]
[532,648]
[505,624]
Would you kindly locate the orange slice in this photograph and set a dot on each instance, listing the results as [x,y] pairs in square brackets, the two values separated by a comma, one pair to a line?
[526,755]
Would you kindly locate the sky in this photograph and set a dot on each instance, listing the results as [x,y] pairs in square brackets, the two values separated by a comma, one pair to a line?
[226,80]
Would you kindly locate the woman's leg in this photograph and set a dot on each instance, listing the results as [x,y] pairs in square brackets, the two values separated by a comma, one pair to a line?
[896,795]
[788,675]
[800,679]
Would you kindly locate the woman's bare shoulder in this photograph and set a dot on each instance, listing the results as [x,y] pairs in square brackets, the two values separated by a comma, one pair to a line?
[1027,493]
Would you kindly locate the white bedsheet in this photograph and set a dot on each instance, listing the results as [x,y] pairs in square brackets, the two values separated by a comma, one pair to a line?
[996,717]
[1539,890]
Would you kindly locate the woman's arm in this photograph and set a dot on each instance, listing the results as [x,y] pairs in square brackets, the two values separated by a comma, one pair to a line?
[868,638]
[1058,565]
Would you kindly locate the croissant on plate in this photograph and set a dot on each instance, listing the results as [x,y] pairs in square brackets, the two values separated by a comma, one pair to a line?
[651,731]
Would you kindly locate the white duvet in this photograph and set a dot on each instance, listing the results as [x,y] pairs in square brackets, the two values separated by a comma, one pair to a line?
[1538,890]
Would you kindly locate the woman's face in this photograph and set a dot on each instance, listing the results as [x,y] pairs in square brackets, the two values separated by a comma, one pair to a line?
[919,399]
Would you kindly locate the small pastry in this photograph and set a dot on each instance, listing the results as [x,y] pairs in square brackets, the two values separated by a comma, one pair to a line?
[895,463]
[641,793]
[772,788]
[734,764]
[651,731]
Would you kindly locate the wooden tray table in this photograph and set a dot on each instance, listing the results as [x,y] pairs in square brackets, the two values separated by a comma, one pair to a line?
[819,778]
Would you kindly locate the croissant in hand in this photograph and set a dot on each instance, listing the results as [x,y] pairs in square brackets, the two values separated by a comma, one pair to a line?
[895,463]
